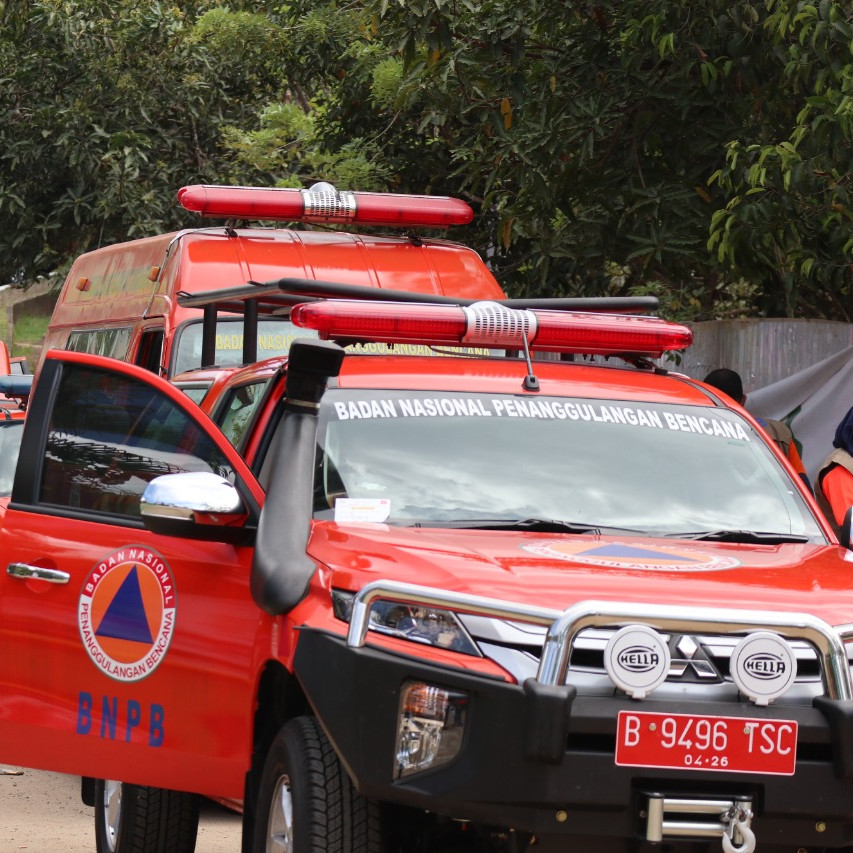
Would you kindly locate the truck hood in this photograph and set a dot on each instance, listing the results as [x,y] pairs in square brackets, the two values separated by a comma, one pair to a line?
[556,571]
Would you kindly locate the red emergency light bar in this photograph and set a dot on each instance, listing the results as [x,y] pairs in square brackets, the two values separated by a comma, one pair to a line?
[488,324]
[324,203]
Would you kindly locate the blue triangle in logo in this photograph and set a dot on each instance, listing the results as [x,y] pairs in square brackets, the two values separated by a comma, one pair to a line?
[633,552]
[125,617]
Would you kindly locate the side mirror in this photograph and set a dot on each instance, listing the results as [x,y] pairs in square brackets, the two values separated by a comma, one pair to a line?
[195,505]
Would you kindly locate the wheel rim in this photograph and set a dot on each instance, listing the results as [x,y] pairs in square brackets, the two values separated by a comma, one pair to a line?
[280,827]
[112,811]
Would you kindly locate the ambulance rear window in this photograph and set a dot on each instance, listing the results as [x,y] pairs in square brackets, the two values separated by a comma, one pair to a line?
[112,343]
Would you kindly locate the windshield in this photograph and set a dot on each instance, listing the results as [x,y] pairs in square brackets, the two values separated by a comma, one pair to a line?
[444,458]
[274,338]
[10,445]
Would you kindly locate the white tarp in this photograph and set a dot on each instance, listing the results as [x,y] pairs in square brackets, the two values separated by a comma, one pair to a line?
[812,402]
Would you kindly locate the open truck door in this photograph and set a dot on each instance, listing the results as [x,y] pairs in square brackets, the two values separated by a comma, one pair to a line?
[102,621]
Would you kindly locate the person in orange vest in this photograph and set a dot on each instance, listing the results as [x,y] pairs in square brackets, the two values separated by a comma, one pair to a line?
[835,476]
[730,383]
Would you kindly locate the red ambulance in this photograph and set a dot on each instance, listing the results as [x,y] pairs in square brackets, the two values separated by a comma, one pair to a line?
[122,300]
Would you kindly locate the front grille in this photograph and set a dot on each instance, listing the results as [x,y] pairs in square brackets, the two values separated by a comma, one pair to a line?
[696,658]
[588,655]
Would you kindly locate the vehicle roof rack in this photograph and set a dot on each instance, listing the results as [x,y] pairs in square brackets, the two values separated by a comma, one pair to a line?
[276,298]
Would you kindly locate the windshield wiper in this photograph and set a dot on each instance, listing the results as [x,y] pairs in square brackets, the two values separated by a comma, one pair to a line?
[534,525]
[747,537]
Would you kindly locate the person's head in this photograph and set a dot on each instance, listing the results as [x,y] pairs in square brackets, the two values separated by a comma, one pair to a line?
[727,381]
[844,433]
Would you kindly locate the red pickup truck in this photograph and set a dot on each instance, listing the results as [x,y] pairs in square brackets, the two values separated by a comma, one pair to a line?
[511,601]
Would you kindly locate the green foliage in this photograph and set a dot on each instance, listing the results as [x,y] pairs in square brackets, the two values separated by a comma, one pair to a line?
[631,133]
[285,129]
[700,151]
[387,77]
[106,110]
[286,151]
[788,215]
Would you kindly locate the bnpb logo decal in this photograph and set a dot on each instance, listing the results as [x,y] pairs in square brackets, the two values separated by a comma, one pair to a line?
[622,555]
[126,613]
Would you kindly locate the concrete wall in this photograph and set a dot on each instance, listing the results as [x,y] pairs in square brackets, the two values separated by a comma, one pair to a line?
[762,351]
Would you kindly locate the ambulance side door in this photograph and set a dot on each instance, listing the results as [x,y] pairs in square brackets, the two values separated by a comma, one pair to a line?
[125,654]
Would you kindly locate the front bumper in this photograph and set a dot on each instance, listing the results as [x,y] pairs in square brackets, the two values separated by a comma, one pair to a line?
[504,775]
[539,757]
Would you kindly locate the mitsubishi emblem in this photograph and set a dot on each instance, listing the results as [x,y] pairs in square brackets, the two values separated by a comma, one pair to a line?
[687,654]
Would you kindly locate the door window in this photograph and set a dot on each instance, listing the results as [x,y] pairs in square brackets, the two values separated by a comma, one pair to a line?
[109,435]
[235,413]
[150,350]
[10,444]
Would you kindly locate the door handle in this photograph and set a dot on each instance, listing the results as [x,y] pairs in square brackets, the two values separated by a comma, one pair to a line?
[22,570]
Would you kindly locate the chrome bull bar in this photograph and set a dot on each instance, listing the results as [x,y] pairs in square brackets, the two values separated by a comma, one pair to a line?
[563,626]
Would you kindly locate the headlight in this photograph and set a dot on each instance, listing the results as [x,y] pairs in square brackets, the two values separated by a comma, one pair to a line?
[427,625]
[430,726]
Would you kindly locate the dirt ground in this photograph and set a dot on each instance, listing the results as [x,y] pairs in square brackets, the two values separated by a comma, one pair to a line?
[42,813]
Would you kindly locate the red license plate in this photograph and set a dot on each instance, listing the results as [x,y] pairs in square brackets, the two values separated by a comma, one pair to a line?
[695,742]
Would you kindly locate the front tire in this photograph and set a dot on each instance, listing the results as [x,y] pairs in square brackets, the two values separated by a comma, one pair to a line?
[138,819]
[306,802]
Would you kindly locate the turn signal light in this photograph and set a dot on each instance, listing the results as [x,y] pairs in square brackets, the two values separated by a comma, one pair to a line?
[430,727]
[324,203]
[490,324]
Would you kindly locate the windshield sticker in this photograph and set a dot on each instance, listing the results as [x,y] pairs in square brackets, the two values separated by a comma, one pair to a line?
[366,510]
[126,613]
[621,555]
[513,407]
[274,343]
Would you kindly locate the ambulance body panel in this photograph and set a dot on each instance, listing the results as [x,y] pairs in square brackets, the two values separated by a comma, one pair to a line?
[122,300]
